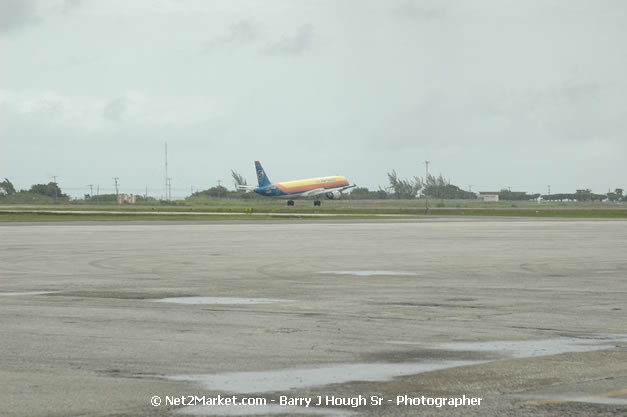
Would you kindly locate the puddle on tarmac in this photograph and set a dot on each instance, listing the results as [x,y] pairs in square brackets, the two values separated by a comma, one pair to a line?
[599,400]
[255,410]
[370,273]
[530,348]
[576,398]
[219,300]
[288,379]
[18,294]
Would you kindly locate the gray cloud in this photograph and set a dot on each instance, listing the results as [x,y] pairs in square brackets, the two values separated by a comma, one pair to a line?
[292,45]
[114,110]
[69,6]
[15,14]
[411,10]
[240,33]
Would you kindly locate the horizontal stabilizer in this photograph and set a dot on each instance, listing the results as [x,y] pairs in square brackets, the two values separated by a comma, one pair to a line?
[246,188]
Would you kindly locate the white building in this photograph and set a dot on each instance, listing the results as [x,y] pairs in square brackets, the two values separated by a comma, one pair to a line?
[489,196]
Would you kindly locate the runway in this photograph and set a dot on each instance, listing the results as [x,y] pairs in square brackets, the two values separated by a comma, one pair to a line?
[529,315]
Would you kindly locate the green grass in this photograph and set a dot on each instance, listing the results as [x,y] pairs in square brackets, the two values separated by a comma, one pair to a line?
[267,209]
[541,212]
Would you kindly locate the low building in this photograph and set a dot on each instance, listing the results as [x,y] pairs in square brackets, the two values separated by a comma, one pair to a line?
[489,196]
[126,199]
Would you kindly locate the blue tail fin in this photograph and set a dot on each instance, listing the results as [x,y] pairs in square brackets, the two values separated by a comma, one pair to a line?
[261,175]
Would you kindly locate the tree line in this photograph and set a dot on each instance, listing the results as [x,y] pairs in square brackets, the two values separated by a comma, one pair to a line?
[417,187]
[437,188]
[50,191]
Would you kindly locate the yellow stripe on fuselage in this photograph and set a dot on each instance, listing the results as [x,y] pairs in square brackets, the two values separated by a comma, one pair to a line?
[300,186]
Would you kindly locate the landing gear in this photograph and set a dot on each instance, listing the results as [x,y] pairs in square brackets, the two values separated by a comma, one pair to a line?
[317,202]
[290,202]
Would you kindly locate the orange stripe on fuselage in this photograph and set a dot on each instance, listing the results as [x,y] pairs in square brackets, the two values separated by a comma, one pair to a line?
[300,186]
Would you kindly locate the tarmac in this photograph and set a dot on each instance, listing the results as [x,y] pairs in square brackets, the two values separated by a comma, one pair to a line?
[367,318]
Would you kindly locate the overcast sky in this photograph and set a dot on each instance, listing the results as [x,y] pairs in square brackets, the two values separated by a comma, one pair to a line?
[496,94]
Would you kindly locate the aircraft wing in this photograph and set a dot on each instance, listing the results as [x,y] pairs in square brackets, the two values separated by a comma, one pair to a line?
[321,190]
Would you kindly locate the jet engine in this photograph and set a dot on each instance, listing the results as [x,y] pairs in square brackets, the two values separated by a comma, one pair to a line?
[334,195]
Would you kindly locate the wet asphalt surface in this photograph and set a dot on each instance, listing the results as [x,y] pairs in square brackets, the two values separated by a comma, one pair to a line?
[528,315]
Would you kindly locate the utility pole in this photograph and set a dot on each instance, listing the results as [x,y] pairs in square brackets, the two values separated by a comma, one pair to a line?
[116,186]
[219,182]
[169,190]
[549,190]
[166,171]
[97,192]
[91,190]
[54,177]
[426,194]
[470,188]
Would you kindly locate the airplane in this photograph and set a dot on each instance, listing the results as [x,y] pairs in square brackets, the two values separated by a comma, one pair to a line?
[331,187]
